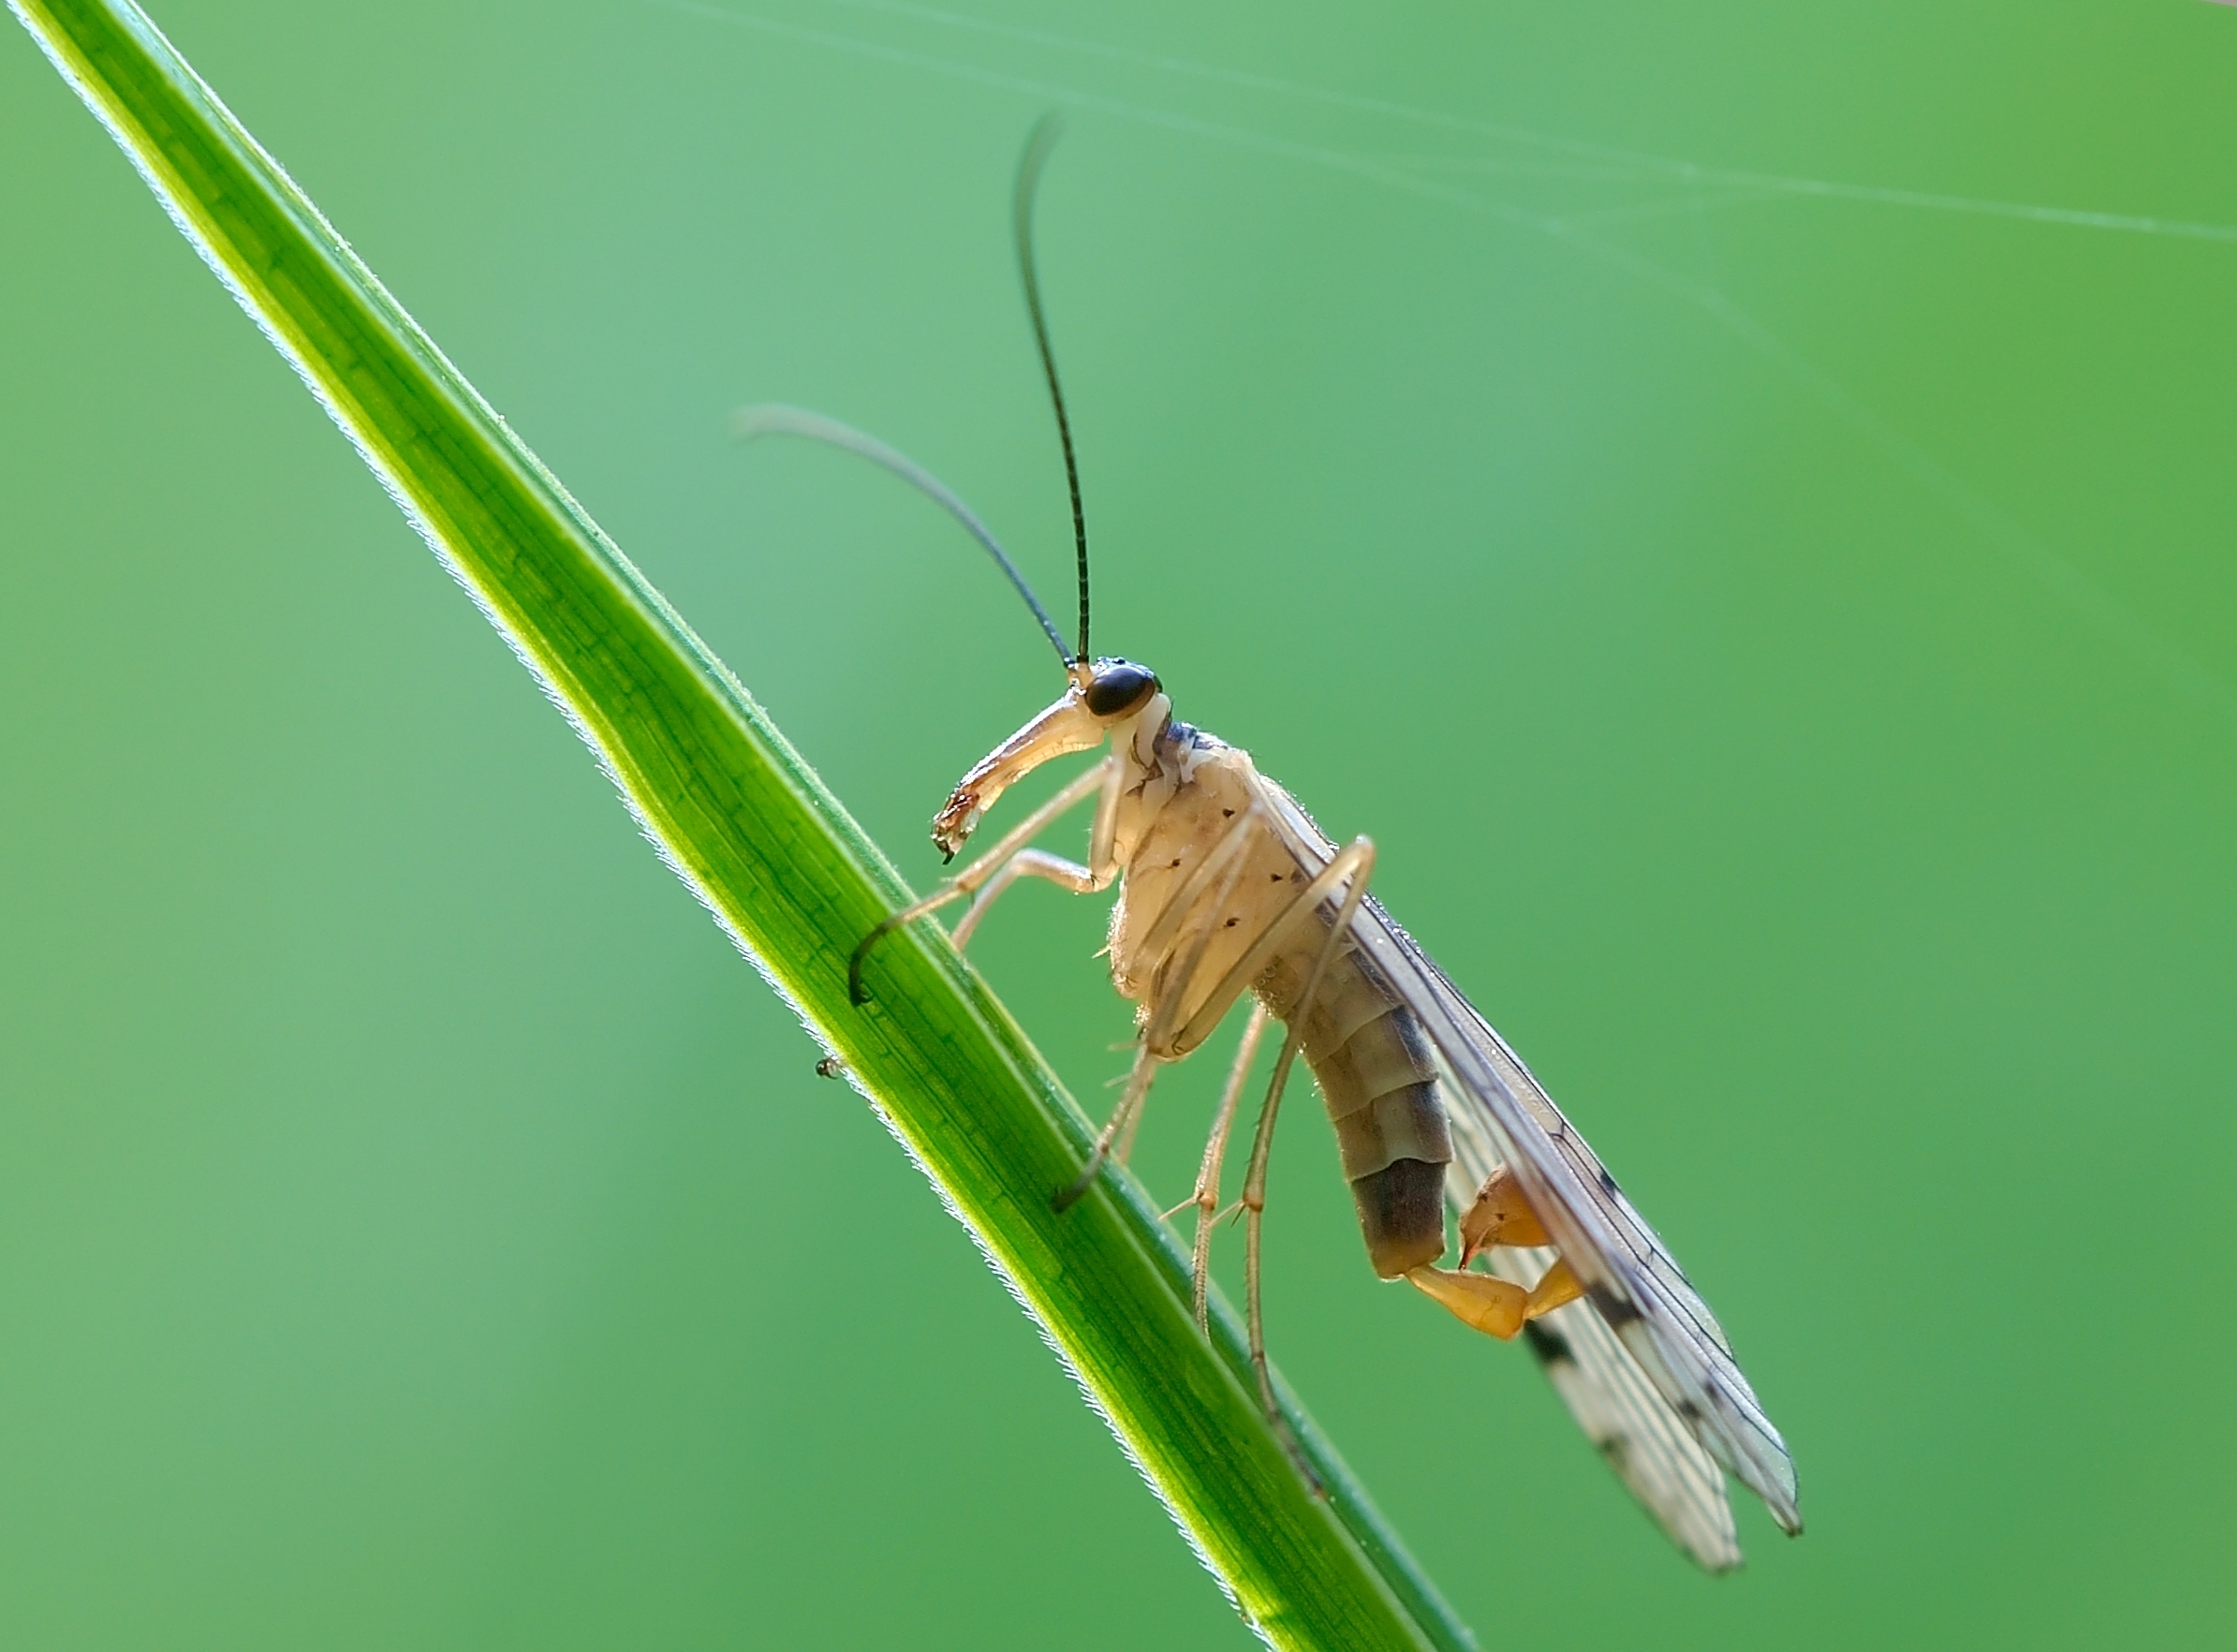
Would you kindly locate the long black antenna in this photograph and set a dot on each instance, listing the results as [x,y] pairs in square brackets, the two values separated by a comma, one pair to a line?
[1045,133]
[774,417]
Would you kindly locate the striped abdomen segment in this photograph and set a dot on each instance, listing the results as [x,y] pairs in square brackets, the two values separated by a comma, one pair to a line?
[1379,1081]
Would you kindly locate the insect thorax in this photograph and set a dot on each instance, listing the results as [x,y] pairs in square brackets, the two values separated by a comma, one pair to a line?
[1185,796]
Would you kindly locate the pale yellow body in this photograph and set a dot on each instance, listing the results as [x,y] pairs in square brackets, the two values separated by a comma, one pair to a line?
[1375,1069]
[1216,903]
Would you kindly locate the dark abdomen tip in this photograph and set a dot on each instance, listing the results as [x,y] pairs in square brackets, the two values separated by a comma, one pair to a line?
[1402,1216]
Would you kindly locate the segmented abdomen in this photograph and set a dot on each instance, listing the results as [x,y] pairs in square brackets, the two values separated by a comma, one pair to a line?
[1380,1083]
[1366,1049]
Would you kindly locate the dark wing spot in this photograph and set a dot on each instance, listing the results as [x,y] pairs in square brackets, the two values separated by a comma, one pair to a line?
[1275,875]
[1227,814]
[1614,1449]
[1232,921]
[1172,864]
[1618,1311]
[1607,1181]
[1550,1346]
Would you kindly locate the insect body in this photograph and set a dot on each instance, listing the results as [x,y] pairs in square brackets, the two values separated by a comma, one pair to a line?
[1228,892]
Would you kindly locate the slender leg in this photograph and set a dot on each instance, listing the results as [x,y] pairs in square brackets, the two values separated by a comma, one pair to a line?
[1220,863]
[1138,1089]
[1159,1037]
[1206,1198]
[1354,862]
[1026,863]
[1226,862]
[1121,1150]
[1175,973]
[1102,863]
[1151,1053]
[1104,777]
[1178,975]
[1272,939]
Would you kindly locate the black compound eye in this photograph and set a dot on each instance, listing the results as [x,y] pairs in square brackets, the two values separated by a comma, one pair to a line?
[1119,686]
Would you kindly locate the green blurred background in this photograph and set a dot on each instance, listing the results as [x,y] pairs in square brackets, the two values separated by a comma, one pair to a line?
[1782,642]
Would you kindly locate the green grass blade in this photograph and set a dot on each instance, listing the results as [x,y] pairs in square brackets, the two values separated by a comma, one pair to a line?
[749,827]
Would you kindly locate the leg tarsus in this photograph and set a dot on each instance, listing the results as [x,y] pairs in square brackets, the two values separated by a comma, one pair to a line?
[857,994]
[1137,1087]
[1350,869]
[1206,1196]
[1254,1211]
[1153,1047]
[1101,777]
[1068,876]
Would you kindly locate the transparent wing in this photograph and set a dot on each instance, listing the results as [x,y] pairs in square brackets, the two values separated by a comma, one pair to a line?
[1621,1413]
[1633,1287]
